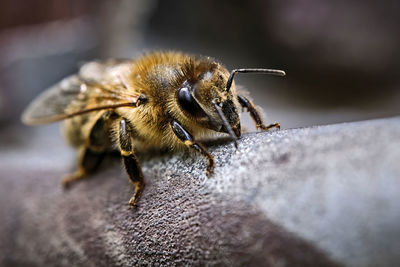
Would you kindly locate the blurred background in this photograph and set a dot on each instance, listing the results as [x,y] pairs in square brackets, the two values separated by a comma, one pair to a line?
[341,57]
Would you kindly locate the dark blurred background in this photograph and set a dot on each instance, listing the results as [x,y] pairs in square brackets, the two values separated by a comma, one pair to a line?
[341,57]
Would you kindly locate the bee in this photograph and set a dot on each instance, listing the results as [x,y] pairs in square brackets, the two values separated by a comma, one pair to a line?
[160,100]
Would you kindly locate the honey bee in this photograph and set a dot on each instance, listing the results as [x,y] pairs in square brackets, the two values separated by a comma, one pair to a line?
[160,100]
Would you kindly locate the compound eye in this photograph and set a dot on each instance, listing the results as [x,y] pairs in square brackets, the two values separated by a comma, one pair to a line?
[188,103]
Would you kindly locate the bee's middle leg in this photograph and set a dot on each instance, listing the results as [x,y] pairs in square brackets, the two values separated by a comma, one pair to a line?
[130,161]
[189,141]
[91,154]
[255,115]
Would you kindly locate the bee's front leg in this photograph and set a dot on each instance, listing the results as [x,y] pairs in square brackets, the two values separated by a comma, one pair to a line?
[130,160]
[249,105]
[188,140]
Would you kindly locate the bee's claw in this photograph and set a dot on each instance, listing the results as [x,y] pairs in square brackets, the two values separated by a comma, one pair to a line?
[133,201]
[136,195]
[65,184]
[269,127]
[210,169]
[71,178]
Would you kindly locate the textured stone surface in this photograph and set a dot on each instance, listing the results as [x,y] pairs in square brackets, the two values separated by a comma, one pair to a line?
[320,196]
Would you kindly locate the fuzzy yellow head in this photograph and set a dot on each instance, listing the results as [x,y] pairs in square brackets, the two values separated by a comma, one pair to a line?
[203,96]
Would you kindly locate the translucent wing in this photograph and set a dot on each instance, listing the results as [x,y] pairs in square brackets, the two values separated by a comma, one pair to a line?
[97,86]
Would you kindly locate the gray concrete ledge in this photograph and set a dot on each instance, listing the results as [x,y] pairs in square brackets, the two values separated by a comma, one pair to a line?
[320,196]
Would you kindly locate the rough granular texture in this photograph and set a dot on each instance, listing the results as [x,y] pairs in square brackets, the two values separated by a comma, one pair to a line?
[321,196]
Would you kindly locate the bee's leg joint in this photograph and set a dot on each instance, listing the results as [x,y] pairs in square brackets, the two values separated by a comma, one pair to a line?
[189,141]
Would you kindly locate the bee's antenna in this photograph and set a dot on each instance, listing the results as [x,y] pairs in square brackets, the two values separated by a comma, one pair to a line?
[225,122]
[264,71]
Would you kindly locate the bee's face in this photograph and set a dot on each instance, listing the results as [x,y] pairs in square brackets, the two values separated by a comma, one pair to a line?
[205,98]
